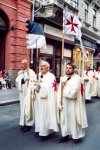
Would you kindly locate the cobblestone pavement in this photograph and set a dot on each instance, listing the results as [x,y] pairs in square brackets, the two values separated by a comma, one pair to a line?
[11,138]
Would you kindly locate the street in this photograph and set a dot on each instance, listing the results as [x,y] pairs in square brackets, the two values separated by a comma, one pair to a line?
[8,95]
[4,94]
[11,138]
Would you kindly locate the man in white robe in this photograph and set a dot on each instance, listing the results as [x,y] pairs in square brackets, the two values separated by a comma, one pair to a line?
[94,85]
[88,83]
[45,102]
[73,118]
[24,81]
[97,78]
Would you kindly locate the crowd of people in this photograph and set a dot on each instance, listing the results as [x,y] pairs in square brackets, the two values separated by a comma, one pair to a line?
[5,82]
[52,109]
[49,108]
[91,83]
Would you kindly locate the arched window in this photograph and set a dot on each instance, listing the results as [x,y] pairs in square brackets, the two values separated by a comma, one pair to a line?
[3,21]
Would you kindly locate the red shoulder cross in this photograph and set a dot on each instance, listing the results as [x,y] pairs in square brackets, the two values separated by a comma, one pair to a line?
[87,73]
[54,85]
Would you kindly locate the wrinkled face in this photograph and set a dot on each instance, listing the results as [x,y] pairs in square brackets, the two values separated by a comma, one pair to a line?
[44,68]
[69,70]
[98,68]
[87,68]
[23,65]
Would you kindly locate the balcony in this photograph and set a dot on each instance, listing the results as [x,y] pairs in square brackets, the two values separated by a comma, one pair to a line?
[52,13]
[86,24]
[95,29]
[95,4]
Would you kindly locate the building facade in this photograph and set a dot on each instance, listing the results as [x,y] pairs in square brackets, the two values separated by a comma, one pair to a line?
[88,12]
[51,17]
[13,34]
[49,13]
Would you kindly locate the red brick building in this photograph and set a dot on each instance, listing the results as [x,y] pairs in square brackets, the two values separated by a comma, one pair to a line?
[13,34]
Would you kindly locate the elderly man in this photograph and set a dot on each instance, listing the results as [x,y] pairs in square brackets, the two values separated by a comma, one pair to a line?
[24,81]
[88,83]
[45,102]
[73,119]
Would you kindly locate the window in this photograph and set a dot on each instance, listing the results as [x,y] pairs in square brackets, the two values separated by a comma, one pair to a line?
[86,12]
[75,4]
[94,18]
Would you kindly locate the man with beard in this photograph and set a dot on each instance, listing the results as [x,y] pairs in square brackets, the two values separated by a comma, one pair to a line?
[72,118]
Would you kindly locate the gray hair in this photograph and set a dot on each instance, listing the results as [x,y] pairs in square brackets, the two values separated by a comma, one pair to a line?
[45,62]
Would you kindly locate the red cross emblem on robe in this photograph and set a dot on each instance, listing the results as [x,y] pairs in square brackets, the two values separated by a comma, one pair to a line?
[54,85]
[94,76]
[87,73]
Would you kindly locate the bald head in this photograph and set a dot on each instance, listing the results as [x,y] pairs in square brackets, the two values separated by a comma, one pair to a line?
[24,64]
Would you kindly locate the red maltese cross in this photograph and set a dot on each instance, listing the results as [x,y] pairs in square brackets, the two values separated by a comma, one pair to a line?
[54,85]
[73,25]
[82,89]
[87,73]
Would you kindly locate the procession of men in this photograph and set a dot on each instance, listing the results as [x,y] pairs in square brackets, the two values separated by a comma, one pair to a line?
[51,107]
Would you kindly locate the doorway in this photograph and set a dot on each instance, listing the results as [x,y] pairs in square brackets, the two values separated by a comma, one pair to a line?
[2,49]
[3,32]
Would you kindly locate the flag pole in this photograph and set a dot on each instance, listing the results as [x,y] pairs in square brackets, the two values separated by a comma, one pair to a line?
[62,56]
[37,60]
[27,52]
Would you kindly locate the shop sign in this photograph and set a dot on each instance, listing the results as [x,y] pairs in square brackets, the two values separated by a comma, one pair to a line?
[87,43]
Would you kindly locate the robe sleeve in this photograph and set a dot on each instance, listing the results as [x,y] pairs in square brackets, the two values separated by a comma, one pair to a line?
[32,84]
[80,109]
[70,90]
[33,93]
[96,75]
[29,105]
[44,91]
[84,76]
[18,83]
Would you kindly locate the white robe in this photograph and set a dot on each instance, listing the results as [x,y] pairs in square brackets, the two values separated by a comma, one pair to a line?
[97,74]
[73,118]
[45,106]
[88,84]
[26,102]
[94,86]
